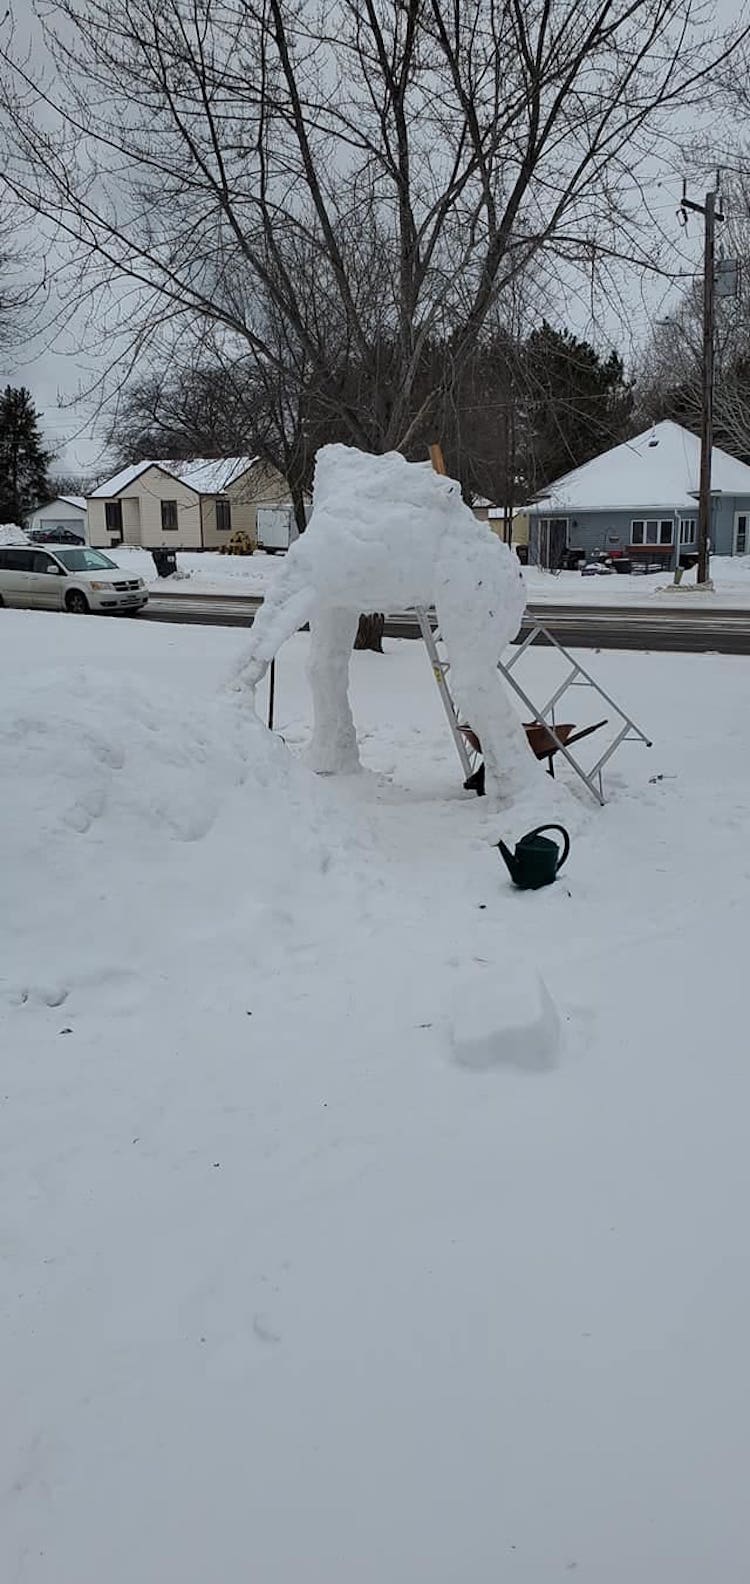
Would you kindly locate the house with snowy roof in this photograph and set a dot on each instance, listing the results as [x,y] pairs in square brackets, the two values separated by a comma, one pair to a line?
[67,512]
[640,500]
[189,505]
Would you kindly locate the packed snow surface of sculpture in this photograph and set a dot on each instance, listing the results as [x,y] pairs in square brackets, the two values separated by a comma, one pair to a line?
[387,534]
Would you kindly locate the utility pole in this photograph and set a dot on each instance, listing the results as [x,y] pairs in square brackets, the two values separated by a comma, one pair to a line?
[710,212]
[509,447]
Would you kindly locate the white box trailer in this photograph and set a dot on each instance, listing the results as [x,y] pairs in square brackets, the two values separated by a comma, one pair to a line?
[276,528]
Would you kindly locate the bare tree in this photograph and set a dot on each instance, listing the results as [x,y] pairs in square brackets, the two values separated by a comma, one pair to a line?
[331,188]
[373,174]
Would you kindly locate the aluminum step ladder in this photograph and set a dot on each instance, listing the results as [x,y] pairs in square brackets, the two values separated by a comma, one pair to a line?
[576,676]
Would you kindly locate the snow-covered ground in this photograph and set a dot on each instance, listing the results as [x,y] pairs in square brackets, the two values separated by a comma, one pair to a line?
[331,1254]
[211,573]
[730,576]
[202,572]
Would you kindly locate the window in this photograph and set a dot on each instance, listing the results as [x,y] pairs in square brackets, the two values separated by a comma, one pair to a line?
[169,516]
[651,531]
[44,563]
[113,517]
[740,534]
[223,515]
[687,530]
[85,560]
[16,560]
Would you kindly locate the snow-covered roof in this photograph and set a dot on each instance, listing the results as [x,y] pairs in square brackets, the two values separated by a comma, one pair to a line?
[205,476]
[76,501]
[121,480]
[659,468]
[210,478]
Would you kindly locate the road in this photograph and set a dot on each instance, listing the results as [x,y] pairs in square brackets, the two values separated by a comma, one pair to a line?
[683,628]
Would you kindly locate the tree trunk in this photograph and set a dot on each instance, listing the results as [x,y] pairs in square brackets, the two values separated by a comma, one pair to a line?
[370,633]
[298,501]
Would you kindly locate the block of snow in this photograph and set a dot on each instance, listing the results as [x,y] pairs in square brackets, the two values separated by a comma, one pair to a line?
[505,1020]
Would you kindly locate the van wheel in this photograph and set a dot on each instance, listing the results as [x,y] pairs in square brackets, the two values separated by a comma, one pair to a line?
[76,602]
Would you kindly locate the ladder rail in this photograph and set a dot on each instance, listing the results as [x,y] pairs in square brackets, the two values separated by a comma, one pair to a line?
[439,672]
[590,682]
[559,744]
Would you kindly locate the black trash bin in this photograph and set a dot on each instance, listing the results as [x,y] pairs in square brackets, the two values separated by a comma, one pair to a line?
[165,562]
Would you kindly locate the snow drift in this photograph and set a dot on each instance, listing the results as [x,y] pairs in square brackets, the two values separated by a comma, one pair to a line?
[131,800]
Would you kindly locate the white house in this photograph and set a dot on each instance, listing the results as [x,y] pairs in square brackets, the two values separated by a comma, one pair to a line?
[190,505]
[66,512]
[640,500]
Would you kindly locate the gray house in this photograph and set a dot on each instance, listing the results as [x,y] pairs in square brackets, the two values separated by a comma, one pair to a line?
[641,500]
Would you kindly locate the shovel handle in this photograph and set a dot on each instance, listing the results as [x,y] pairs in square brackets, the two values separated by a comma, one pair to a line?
[565,837]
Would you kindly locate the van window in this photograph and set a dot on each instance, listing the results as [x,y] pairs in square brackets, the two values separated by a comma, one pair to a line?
[85,560]
[44,563]
[17,560]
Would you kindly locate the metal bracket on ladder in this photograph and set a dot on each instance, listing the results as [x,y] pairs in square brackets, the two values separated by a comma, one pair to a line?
[576,677]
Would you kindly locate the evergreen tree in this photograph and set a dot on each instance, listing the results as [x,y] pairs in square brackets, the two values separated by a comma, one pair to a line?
[23,458]
[576,403]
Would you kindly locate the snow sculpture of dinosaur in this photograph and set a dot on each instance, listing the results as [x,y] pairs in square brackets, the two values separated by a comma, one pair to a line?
[387,534]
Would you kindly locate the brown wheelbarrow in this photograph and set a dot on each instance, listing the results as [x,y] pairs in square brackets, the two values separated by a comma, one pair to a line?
[540,741]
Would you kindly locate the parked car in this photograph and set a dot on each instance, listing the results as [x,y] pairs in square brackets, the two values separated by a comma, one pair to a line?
[64,577]
[55,536]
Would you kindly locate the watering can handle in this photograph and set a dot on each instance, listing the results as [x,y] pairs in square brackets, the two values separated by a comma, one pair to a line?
[565,837]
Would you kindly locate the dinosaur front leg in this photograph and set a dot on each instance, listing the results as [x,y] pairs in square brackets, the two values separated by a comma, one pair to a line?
[333,748]
[281,615]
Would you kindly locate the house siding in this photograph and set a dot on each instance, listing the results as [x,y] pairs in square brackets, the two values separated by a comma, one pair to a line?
[141,502]
[519,527]
[725,508]
[141,514]
[611,530]
[260,486]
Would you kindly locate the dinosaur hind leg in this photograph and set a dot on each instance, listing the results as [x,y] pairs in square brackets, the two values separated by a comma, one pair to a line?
[333,747]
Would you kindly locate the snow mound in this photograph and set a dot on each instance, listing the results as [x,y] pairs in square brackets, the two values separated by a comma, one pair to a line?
[11,534]
[509,1022]
[126,753]
[127,804]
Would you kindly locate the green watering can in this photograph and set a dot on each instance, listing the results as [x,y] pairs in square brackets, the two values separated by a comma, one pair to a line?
[536,859]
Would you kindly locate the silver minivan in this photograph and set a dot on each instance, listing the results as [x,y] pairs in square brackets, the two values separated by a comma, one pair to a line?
[66,577]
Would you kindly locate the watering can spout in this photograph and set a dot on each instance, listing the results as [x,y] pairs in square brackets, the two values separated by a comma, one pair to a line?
[510,860]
